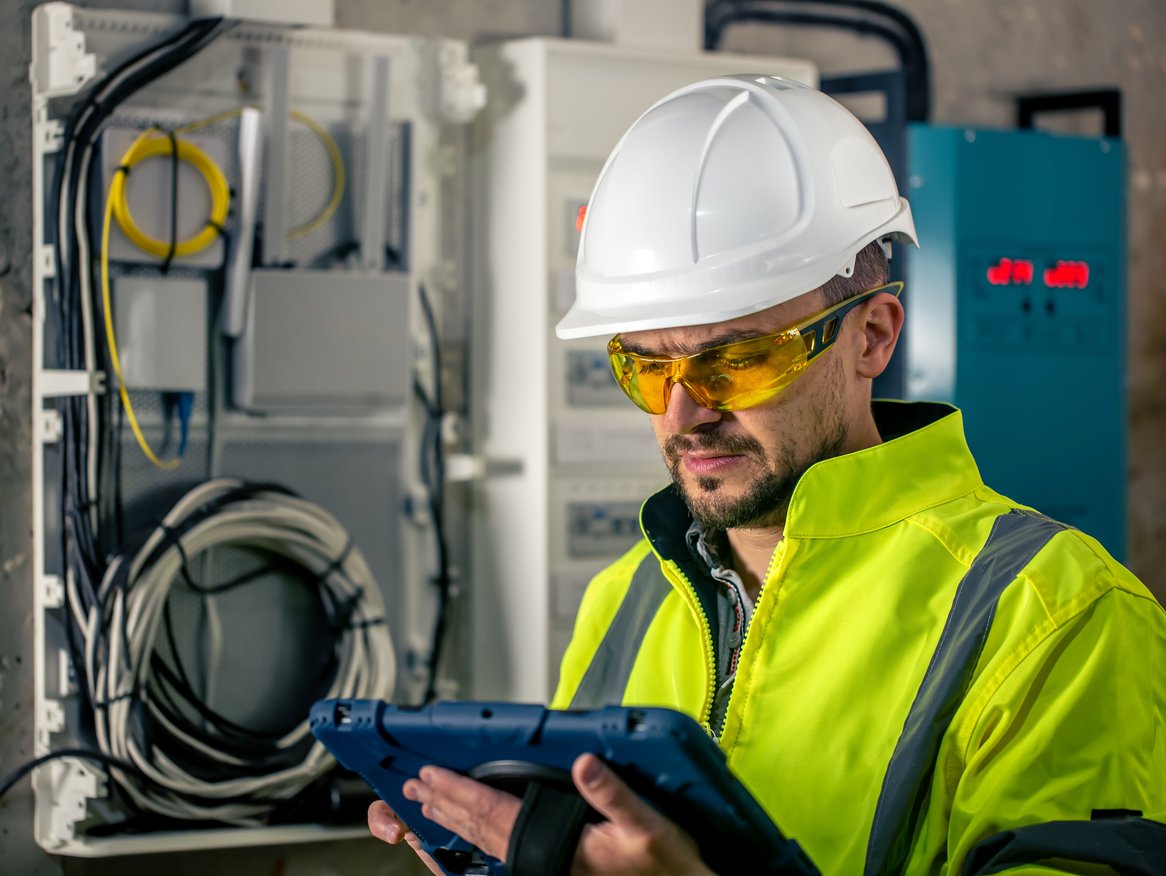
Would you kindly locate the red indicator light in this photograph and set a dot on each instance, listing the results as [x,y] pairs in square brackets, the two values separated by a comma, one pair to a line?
[1000,274]
[1010,272]
[1067,275]
[580,217]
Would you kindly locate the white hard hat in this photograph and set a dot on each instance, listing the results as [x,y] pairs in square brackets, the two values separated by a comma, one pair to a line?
[727,197]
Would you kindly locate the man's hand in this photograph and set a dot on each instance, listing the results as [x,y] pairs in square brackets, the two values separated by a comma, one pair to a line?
[384,824]
[634,838]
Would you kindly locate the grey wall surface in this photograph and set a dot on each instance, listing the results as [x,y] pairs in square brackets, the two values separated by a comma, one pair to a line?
[982,53]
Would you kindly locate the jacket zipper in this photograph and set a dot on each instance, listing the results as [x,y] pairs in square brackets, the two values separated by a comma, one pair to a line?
[709,661]
[775,562]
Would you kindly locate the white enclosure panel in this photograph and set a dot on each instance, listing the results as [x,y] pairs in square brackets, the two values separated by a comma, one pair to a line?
[582,457]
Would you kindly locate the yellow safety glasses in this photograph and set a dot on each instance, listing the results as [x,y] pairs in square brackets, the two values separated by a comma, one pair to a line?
[733,376]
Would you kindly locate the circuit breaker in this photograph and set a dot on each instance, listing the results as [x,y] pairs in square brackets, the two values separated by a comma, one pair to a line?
[1018,310]
[579,458]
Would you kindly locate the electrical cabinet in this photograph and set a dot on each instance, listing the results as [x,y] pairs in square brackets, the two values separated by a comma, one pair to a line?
[1017,312]
[568,459]
[293,347]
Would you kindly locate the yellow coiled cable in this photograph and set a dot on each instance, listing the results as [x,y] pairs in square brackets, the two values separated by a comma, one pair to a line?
[153,143]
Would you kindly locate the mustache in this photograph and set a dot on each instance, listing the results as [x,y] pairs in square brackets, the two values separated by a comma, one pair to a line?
[715,442]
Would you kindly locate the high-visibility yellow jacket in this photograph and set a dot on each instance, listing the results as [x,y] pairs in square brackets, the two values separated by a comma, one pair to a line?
[935,679]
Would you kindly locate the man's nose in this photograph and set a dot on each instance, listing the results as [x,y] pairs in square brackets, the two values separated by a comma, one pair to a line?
[683,415]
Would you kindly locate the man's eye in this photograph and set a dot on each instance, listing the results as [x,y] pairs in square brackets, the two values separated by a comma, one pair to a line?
[730,362]
[651,368]
[742,362]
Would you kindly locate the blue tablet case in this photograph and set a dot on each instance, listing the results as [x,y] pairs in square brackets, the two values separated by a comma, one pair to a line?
[663,755]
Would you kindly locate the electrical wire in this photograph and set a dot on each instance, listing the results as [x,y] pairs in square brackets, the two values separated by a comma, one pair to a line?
[74,345]
[223,772]
[902,33]
[338,178]
[10,780]
[335,158]
[116,192]
[74,348]
[82,434]
[153,143]
[433,477]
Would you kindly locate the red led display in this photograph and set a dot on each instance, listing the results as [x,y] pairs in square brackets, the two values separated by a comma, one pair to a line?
[1010,272]
[1067,275]
[1064,274]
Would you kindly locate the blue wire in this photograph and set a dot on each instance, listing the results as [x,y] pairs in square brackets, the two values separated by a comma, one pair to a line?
[185,409]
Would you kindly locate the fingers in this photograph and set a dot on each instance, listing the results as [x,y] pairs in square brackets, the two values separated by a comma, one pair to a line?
[611,797]
[477,813]
[635,838]
[426,859]
[384,824]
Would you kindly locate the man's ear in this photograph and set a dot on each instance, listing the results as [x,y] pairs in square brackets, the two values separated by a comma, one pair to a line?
[880,321]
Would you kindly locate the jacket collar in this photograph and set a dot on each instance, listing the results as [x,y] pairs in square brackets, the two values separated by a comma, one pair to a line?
[923,461]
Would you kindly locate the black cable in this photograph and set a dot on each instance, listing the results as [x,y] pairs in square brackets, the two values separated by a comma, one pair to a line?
[71,172]
[100,757]
[75,172]
[173,247]
[82,126]
[433,476]
[905,35]
[907,39]
[811,19]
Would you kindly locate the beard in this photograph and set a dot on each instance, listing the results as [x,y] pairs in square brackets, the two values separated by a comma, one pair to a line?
[765,499]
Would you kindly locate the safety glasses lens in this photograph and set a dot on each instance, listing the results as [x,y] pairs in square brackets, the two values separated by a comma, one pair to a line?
[725,378]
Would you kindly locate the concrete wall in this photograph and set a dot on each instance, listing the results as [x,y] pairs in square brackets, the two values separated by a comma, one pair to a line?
[982,53]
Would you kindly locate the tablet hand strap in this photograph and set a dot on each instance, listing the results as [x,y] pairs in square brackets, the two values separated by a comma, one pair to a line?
[547,831]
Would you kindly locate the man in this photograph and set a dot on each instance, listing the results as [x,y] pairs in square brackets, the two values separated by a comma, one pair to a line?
[910,672]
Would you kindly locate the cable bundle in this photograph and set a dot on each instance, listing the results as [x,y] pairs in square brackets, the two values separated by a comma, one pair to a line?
[88,432]
[213,768]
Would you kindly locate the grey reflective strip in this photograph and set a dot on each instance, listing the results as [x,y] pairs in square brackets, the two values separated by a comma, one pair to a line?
[607,677]
[1132,846]
[1016,538]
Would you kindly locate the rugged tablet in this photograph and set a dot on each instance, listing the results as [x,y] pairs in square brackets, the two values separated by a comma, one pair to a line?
[665,756]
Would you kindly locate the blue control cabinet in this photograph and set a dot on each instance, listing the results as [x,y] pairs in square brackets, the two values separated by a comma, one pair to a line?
[1017,312]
